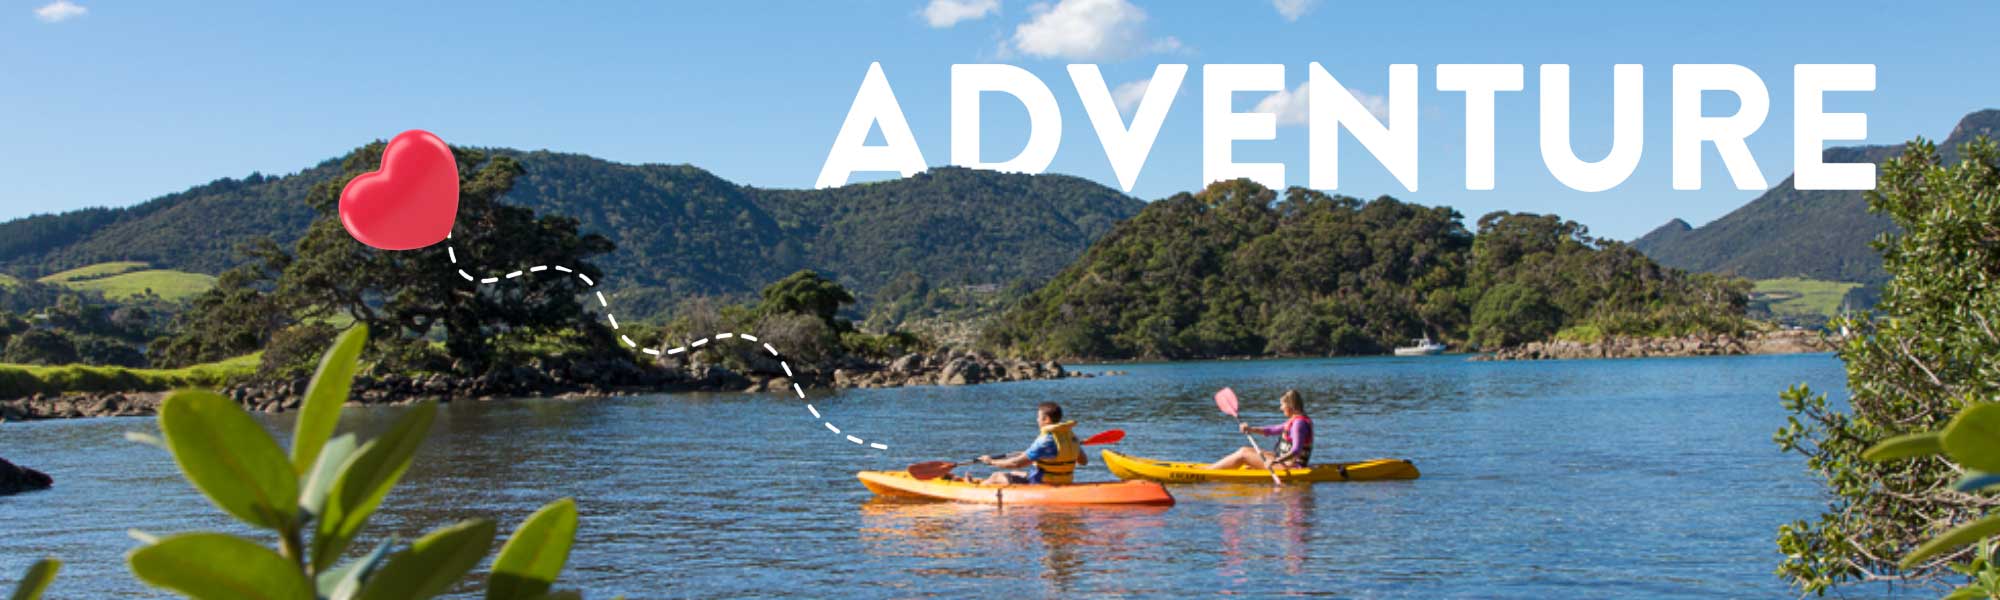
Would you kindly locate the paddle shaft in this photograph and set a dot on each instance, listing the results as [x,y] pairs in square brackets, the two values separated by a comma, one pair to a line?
[933,470]
[1260,455]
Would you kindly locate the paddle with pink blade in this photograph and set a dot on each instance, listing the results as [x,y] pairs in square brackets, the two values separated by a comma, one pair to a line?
[1226,400]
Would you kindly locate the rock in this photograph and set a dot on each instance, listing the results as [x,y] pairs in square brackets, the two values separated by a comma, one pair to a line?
[1772,342]
[909,363]
[16,479]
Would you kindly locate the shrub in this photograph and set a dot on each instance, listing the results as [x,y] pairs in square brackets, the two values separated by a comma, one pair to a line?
[40,347]
[316,502]
[1931,354]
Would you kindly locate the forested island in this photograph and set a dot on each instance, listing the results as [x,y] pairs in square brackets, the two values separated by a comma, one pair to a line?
[1234,270]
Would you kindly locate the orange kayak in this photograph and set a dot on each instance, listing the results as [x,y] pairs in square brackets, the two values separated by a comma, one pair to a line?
[901,484]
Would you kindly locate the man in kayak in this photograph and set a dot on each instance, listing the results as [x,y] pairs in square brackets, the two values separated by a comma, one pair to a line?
[1055,455]
[1295,445]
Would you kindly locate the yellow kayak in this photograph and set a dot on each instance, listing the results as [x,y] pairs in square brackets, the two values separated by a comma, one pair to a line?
[1381,469]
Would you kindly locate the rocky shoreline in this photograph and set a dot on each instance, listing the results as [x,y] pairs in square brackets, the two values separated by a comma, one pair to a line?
[572,380]
[1771,342]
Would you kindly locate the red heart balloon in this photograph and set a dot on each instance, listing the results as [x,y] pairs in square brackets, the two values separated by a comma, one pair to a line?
[411,202]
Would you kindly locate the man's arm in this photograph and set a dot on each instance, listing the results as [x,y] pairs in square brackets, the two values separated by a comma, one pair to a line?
[1011,461]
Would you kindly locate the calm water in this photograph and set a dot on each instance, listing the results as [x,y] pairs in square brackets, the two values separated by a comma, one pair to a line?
[1649,478]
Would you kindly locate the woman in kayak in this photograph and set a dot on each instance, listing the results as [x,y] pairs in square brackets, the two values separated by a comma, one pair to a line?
[1055,454]
[1295,435]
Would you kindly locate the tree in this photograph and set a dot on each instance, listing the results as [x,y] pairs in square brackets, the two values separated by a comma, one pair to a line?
[414,295]
[1511,314]
[413,298]
[806,292]
[40,347]
[234,318]
[1931,351]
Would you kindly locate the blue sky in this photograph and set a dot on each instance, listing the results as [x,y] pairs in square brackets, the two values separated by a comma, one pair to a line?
[107,102]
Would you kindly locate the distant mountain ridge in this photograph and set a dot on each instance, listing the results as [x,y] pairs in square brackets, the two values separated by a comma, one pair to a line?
[1787,232]
[680,230]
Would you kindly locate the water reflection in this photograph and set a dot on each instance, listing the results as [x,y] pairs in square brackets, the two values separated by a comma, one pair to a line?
[1067,542]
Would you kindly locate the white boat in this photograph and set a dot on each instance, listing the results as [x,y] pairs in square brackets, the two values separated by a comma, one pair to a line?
[1424,347]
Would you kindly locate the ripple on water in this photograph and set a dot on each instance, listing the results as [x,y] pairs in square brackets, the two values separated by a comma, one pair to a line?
[1651,478]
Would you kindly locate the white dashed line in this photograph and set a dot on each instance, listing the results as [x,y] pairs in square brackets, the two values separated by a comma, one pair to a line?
[452,253]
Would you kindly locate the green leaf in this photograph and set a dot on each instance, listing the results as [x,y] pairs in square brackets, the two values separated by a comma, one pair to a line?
[433,563]
[364,480]
[37,580]
[328,392]
[1906,446]
[1958,536]
[343,583]
[532,558]
[214,566]
[1973,437]
[1969,592]
[227,455]
[319,481]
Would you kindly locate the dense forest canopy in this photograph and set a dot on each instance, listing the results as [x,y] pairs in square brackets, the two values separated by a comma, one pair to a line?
[680,230]
[1233,270]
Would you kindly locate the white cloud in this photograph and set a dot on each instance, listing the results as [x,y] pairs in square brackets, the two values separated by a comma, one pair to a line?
[1291,10]
[1128,95]
[946,13]
[59,11]
[1168,45]
[1088,30]
[1290,105]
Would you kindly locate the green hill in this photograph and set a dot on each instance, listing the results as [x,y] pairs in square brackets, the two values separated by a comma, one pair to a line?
[680,230]
[1787,232]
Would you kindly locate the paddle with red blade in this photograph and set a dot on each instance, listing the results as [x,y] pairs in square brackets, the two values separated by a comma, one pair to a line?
[939,468]
[1226,400]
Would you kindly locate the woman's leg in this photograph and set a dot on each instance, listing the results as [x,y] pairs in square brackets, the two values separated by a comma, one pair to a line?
[1243,458]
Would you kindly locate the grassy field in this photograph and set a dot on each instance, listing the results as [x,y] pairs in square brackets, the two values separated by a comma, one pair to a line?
[96,271]
[1795,297]
[119,280]
[26,380]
